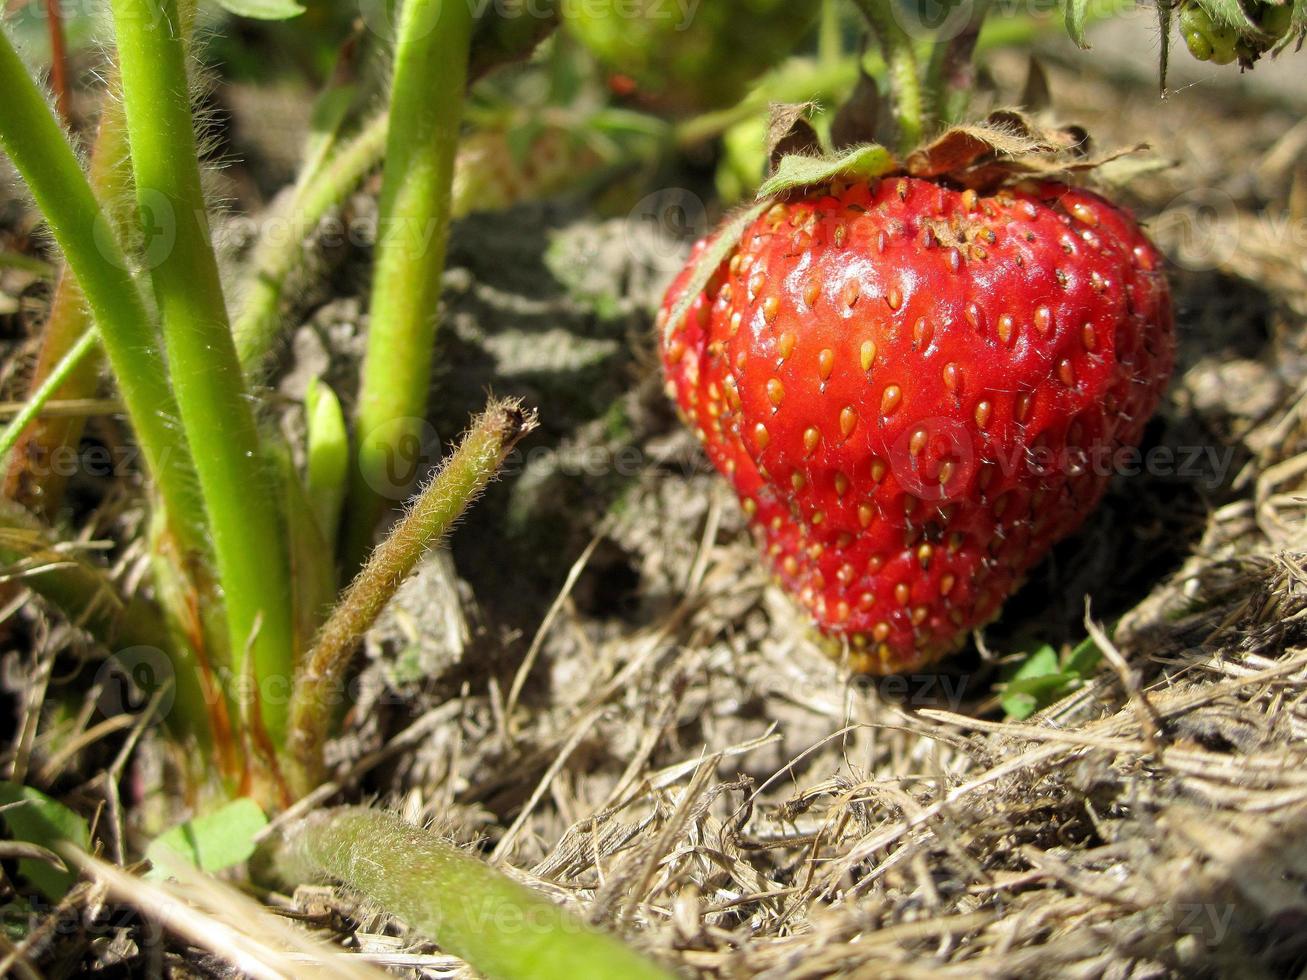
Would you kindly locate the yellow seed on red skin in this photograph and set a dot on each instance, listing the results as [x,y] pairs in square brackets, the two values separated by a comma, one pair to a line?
[973,315]
[750,506]
[775,392]
[756,282]
[890,399]
[924,553]
[1006,328]
[846,573]
[894,298]
[736,321]
[946,583]
[922,332]
[868,354]
[735,264]
[840,234]
[841,611]
[815,550]
[1083,213]
[865,514]
[952,377]
[791,565]
[969,199]
[851,293]
[761,436]
[983,410]
[875,563]
[1043,319]
[919,615]
[878,470]
[825,363]
[1023,407]
[811,437]
[1066,372]
[880,632]
[848,420]
[817,517]
[841,484]
[945,472]
[902,593]
[771,308]
[866,600]
[1089,337]
[917,442]
[812,292]
[785,346]
[797,481]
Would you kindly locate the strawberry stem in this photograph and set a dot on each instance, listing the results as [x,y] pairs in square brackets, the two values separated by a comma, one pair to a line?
[904,73]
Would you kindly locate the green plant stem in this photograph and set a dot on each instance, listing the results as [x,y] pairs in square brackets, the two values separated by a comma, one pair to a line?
[462,477]
[34,142]
[55,380]
[238,486]
[426,107]
[502,928]
[904,74]
[276,256]
[949,73]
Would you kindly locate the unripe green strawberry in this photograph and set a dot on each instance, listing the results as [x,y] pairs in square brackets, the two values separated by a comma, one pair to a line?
[1205,40]
[916,391]
[690,56]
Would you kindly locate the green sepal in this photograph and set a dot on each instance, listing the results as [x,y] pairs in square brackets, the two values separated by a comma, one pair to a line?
[864,162]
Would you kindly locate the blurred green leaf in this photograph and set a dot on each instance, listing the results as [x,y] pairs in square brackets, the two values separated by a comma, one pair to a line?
[212,842]
[262,9]
[35,818]
[1044,677]
[1075,21]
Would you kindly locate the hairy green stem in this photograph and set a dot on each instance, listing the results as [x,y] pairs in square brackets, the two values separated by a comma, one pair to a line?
[426,107]
[258,320]
[461,478]
[950,75]
[904,74]
[503,929]
[34,142]
[238,485]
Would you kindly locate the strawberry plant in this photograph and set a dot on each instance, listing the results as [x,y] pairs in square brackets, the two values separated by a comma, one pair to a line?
[914,356]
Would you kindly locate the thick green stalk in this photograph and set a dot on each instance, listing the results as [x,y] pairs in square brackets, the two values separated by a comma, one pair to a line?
[426,107]
[34,142]
[503,929]
[238,486]
[904,73]
[460,480]
[258,320]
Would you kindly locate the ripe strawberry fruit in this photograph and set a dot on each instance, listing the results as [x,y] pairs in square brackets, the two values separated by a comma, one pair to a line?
[917,391]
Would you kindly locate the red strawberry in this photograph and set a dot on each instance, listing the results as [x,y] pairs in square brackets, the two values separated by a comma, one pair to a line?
[917,391]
